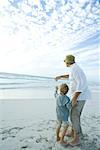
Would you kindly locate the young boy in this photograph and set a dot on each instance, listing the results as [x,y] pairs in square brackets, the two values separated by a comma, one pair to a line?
[62,111]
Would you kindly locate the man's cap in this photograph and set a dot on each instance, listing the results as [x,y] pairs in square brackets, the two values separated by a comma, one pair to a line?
[69,59]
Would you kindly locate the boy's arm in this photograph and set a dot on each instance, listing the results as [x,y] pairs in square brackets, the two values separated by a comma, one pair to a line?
[68,104]
[56,92]
[67,100]
[61,77]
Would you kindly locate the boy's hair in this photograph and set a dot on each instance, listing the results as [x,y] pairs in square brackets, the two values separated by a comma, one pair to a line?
[62,86]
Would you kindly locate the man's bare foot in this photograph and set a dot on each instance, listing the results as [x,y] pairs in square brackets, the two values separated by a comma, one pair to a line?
[74,142]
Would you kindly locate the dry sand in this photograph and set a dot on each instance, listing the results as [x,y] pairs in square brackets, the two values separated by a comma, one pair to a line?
[30,125]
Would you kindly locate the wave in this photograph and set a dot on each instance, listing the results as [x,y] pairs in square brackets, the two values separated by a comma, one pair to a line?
[13,81]
[22,81]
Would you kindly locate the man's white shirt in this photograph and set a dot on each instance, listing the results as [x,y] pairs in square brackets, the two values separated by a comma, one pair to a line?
[78,82]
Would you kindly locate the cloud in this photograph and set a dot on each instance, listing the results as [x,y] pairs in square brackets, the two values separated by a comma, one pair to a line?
[36,35]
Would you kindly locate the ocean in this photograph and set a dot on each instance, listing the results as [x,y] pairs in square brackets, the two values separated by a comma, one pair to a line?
[29,97]
[18,81]
[19,86]
[22,86]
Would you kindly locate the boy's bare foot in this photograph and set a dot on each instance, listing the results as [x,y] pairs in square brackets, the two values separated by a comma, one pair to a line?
[63,143]
[68,134]
[57,139]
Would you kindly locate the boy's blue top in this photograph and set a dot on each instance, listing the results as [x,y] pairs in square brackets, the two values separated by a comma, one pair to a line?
[61,107]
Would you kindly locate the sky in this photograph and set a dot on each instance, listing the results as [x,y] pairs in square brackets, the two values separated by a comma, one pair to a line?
[36,35]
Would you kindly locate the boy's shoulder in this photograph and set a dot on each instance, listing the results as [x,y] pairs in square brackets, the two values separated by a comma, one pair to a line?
[64,97]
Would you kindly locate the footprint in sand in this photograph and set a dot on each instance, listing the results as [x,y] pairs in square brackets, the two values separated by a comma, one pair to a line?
[89,145]
[10,132]
[25,146]
[39,140]
[27,139]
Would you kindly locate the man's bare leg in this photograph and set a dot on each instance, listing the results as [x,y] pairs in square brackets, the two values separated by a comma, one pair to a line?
[62,136]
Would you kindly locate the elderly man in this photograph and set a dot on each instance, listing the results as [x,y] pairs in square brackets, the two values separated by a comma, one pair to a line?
[79,94]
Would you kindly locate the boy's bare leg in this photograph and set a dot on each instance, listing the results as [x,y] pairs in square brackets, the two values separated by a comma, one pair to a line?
[57,133]
[62,136]
[70,133]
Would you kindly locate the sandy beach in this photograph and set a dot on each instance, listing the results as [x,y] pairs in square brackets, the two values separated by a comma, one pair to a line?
[29,124]
[44,43]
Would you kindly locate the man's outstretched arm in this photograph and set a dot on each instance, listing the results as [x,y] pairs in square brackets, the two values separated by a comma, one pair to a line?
[62,77]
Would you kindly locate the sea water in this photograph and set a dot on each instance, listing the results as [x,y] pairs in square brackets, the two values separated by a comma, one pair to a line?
[25,97]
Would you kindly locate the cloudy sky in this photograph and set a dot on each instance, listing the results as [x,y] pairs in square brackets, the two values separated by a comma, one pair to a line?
[36,35]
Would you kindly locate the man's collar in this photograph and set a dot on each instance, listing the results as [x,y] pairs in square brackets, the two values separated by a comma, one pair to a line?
[73,65]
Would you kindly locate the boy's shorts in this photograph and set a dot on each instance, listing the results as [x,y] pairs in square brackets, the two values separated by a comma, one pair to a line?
[63,124]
